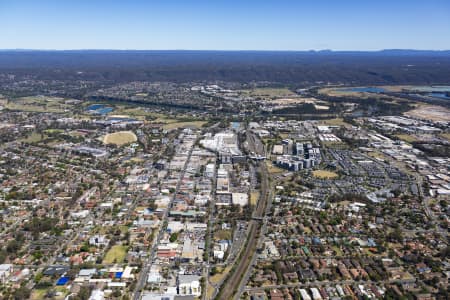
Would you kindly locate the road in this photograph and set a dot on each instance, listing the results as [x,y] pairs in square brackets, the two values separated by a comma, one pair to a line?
[148,263]
[212,208]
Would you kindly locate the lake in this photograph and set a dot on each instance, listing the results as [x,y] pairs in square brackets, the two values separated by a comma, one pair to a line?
[99,109]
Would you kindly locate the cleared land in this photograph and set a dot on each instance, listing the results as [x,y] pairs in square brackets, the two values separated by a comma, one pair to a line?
[216,279]
[40,294]
[274,169]
[120,138]
[254,196]
[219,276]
[287,102]
[434,113]
[196,124]
[222,235]
[445,136]
[269,93]
[342,92]
[324,174]
[377,155]
[334,122]
[346,92]
[407,137]
[116,254]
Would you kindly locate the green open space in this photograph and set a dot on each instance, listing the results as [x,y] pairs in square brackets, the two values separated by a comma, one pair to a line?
[116,254]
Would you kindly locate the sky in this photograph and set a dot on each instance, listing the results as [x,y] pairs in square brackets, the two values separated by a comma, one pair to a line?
[225,25]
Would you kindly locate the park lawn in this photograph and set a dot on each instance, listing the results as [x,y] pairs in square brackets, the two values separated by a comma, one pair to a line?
[32,108]
[38,104]
[171,122]
[141,113]
[175,125]
[120,138]
[54,131]
[34,138]
[123,229]
[338,251]
[116,254]
[324,174]
[135,112]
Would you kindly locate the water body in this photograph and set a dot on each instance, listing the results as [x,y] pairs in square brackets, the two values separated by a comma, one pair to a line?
[439,95]
[433,89]
[95,106]
[104,111]
[376,90]
[99,109]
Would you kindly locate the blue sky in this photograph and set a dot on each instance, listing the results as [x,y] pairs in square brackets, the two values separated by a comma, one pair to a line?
[225,25]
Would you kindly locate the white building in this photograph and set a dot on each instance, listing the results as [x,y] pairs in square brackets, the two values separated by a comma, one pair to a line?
[239,199]
[98,240]
[189,285]
[5,272]
[97,295]
[209,170]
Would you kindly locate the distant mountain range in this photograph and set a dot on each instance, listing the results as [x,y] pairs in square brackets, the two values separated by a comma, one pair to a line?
[392,66]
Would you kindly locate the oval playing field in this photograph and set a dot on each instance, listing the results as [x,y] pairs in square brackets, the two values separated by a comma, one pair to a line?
[120,138]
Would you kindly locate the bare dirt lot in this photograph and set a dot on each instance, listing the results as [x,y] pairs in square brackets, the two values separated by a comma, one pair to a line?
[430,112]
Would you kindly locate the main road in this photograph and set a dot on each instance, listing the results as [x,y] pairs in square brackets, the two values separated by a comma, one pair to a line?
[148,263]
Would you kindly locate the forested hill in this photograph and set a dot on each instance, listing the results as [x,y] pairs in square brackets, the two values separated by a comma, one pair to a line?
[349,67]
